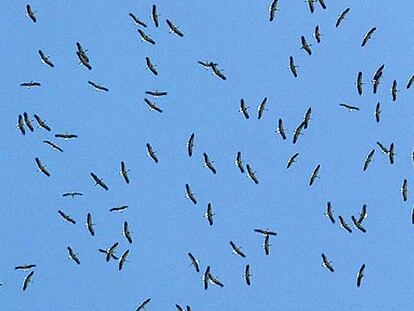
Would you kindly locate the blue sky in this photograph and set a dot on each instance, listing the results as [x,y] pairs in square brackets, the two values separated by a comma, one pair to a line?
[115,126]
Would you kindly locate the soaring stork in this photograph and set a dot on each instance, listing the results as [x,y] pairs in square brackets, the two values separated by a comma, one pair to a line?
[41,167]
[27,280]
[73,255]
[326,263]
[99,182]
[41,123]
[137,21]
[30,13]
[174,29]
[45,59]
[368,36]
[342,16]
[360,275]
[190,145]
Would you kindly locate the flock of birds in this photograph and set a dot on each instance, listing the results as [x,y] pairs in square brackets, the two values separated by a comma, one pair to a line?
[25,124]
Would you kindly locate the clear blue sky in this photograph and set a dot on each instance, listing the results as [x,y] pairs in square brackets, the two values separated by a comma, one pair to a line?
[115,126]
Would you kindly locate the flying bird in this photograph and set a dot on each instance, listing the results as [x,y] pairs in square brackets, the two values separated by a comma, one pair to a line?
[394,90]
[272,9]
[137,21]
[377,112]
[209,214]
[82,52]
[317,34]
[20,125]
[359,83]
[156,93]
[72,194]
[404,190]
[152,106]
[298,131]
[363,214]
[305,45]
[367,36]
[66,136]
[30,13]
[214,280]
[41,123]
[98,87]
[25,267]
[237,250]
[292,160]
[247,274]
[30,84]
[265,232]
[266,245]
[307,117]
[261,109]
[357,224]
[151,153]
[377,76]
[412,217]
[110,252]
[53,145]
[174,29]
[99,182]
[376,82]
[84,60]
[124,172]
[194,262]
[189,194]
[349,107]
[314,175]
[154,15]
[151,66]
[45,59]
[41,167]
[329,212]
[410,82]
[383,148]
[190,145]
[243,109]
[293,67]
[120,208]
[217,72]
[208,163]
[143,304]
[326,263]
[73,256]
[391,153]
[252,174]
[90,224]
[239,162]
[27,280]
[145,37]
[66,217]
[205,64]
[127,233]
[344,225]
[123,259]
[206,277]
[360,275]
[342,16]
[368,159]
[28,122]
